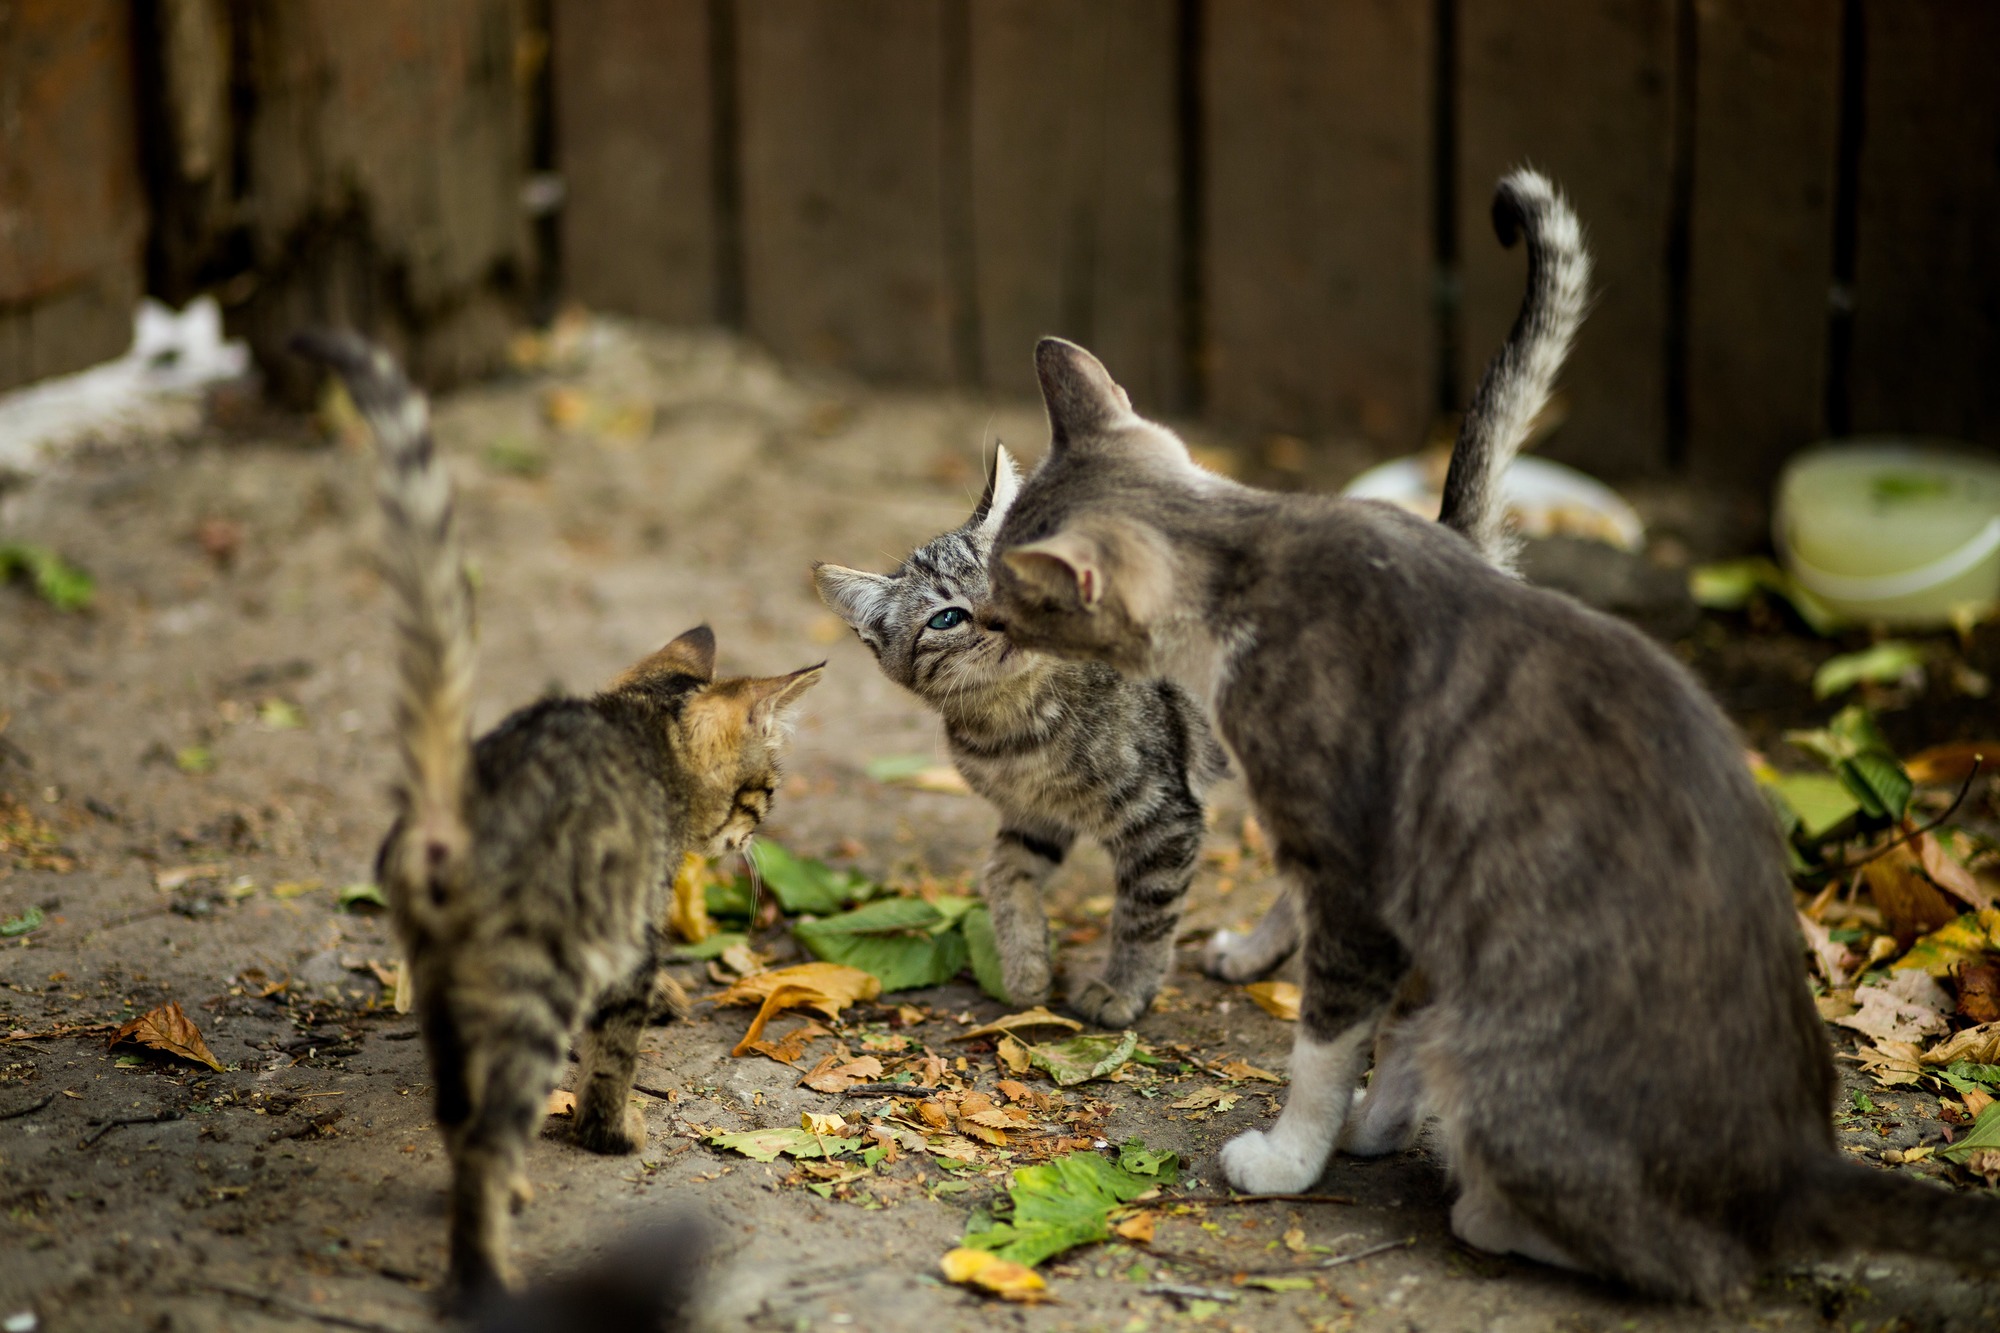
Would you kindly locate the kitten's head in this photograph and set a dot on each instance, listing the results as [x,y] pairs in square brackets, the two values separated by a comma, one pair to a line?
[931,624]
[727,737]
[1082,566]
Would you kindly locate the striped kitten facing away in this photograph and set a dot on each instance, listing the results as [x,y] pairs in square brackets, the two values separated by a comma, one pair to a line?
[1525,802]
[1063,747]
[528,873]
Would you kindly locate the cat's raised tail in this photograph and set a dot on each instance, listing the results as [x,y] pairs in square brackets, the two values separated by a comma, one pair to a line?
[1839,1205]
[1518,379]
[420,559]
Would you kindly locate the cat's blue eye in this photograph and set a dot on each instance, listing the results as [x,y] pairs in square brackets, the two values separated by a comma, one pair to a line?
[948,618]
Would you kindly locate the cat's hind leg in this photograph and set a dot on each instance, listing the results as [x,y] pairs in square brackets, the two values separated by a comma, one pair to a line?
[1385,1118]
[1229,956]
[1155,861]
[608,1058]
[1022,859]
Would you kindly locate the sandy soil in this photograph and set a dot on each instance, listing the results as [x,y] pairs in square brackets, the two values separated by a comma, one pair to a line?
[301,1187]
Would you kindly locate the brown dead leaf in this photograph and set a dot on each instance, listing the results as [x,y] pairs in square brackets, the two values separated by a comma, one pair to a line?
[1012,1054]
[1985,1163]
[934,1115]
[561,1102]
[1949,765]
[996,1276]
[689,913]
[1038,1017]
[1910,904]
[827,987]
[1980,1045]
[1242,1071]
[1976,1101]
[1949,874]
[1892,1063]
[887,1140]
[1295,1240]
[831,1076]
[787,1049]
[168,878]
[1831,955]
[1138,1227]
[1905,1008]
[566,408]
[169,1029]
[1280,999]
[1979,990]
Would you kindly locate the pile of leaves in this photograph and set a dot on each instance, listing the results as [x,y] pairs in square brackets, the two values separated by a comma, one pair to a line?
[1898,886]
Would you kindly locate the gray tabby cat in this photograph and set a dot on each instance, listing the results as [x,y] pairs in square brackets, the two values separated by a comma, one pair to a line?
[527,874]
[1525,801]
[1062,748]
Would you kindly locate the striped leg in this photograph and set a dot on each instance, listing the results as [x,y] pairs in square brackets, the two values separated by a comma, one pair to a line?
[1155,861]
[608,1052]
[1021,861]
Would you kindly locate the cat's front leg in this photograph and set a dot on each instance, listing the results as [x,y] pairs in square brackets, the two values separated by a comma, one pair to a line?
[1022,859]
[1352,966]
[1155,861]
[1231,957]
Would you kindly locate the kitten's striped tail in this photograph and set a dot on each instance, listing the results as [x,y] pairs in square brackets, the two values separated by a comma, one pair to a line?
[1518,379]
[421,561]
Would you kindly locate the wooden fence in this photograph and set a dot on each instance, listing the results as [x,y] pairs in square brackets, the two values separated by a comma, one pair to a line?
[1271,213]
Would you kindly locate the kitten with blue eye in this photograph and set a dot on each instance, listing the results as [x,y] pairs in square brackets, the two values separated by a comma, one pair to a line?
[1065,747]
[1525,802]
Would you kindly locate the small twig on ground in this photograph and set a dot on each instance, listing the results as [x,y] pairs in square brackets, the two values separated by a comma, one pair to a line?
[1281,1270]
[20,1111]
[157,1118]
[661,1093]
[1912,834]
[1371,1251]
[887,1090]
[296,1310]
[1225,1199]
[1183,1293]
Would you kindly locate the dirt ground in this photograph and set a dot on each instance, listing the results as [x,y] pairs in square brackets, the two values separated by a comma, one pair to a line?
[218,723]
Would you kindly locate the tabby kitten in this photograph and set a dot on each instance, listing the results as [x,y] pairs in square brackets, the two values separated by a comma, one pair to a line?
[1062,748]
[1525,801]
[527,874]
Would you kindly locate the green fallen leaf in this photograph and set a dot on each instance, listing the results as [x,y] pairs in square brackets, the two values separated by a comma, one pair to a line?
[896,767]
[1940,952]
[362,893]
[905,943]
[1730,584]
[983,948]
[1082,1058]
[765,1145]
[1140,1160]
[1280,1283]
[1985,1133]
[195,759]
[56,581]
[1061,1204]
[20,925]
[517,457]
[712,947]
[1818,802]
[1885,663]
[802,884]
[279,715]
[1964,1076]
[1853,747]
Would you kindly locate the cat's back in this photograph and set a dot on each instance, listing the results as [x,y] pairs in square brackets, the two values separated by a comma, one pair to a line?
[554,772]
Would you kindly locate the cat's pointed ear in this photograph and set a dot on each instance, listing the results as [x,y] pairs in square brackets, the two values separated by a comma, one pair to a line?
[690,654]
[772,697]
[1068,568]
[1003,483]
[1079,392]
[852,594]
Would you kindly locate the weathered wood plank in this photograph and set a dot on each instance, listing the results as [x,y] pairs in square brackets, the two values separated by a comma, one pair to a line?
[1580,89]
[635,139]
[844,244]
[1927,265]
[1317,228]
[70,195]
[1760,254]
[1074,188]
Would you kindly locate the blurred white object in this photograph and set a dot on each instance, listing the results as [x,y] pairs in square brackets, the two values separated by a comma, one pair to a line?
[1891,531]
[1543,499]
[172,358]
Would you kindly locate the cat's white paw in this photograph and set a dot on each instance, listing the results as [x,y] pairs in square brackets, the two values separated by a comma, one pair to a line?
[1236,956]
[1106,1006]
[1257,1162]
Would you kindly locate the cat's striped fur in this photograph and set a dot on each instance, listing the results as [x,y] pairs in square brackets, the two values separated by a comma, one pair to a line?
[1062,748]
[527,874]
[1524,802]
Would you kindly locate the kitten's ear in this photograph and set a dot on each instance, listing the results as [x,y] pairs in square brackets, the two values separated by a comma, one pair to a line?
[690,654]
[851,594]
[771,697]
[1079,392]
[1068,567]
[1003,483]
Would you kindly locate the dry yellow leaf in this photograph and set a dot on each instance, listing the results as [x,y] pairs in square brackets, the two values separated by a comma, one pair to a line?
[1138,1227]
[169,1029]
[689,913]
[1012,1054]
[1976,1101]
[990,1273]
[1295,1240]
[827,987]
[560,1102]
[1280,999]
[1242,1071]
[1980,1045]
[813,1122]
[565,407]
[1038,1017]
[830,1075]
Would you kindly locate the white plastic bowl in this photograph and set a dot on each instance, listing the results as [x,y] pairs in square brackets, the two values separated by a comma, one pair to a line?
[1543,499]
[1892,532]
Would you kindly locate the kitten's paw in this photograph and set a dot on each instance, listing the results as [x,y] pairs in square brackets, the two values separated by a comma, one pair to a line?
[1258,1163]
[1233,956]
[520,1193]
[1027,986]
[1106,1006]
[612,1135]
